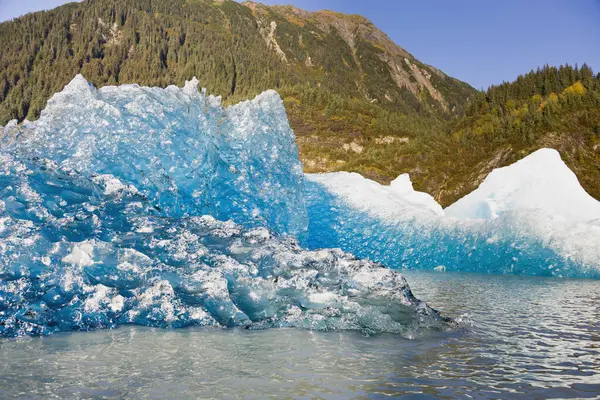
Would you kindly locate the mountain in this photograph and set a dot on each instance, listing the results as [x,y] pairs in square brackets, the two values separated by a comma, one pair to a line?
[342,79]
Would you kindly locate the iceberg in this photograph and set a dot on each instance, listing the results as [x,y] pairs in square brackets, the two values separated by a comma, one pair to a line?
[531,218]
[161,207]
[158,207]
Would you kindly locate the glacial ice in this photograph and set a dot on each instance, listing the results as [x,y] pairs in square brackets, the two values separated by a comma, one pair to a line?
[101,222]
[531,218]
[539,182]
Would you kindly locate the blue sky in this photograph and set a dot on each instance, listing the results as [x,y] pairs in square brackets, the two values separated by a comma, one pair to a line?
[482,42]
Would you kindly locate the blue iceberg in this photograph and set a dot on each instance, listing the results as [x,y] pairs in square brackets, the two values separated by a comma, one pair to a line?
[531,218]
[157,207]
[160,207]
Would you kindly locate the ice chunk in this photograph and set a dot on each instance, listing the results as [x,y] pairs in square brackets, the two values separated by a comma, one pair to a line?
[79,253]
[535,230]
[179,148]
[539,182]
[8,133]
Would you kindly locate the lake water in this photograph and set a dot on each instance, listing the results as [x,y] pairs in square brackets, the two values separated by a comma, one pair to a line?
[521,337]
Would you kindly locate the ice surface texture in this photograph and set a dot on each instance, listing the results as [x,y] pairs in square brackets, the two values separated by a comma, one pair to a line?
[100,222]
[179,148]
[80,253]
[531,218]
[540,182]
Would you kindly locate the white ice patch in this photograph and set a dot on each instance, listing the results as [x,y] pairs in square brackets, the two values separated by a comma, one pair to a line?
[117,303]
[538,182]
[113,185]
[322,298]
[81,255]
[95,301]
[397,200]
[134,261]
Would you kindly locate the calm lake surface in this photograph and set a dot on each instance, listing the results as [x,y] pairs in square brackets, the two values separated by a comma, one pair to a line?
[521,338]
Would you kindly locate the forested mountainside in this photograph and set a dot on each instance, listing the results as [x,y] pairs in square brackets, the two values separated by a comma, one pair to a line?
[356,100]
[321,62]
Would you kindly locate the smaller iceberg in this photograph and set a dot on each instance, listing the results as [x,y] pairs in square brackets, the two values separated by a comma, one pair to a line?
[530,218]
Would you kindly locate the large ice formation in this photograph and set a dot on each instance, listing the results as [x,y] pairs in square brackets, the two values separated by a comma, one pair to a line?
[101,222]
[160,207]
[531,218]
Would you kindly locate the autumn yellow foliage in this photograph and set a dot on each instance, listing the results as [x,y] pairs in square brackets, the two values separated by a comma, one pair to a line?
[576,88]
[553,98]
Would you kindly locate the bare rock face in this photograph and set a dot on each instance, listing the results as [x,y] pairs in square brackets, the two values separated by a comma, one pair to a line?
[358,34]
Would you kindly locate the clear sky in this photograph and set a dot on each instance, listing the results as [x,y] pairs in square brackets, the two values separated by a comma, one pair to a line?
[482,42]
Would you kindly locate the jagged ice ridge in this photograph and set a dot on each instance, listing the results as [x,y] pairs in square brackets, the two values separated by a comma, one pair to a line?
[179,147]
